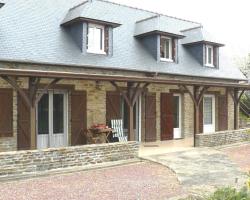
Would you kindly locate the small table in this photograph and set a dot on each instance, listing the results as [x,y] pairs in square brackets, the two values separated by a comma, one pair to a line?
[105,132]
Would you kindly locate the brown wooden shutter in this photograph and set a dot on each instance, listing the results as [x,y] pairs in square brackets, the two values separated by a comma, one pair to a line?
[23,125]
[106,39]
[222,112]
[150,117]
[174,49]
[204,54]
[113,106]
[78,117]
[167,117]
[6,112]
[215,58]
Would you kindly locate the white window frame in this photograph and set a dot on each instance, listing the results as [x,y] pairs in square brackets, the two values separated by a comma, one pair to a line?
[170,59]
[212,56]
[95,50]
[178,131]
[209,128]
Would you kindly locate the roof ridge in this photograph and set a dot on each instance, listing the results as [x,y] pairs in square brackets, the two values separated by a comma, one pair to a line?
[154,16]
[189,29]
[78,5]
[149,11]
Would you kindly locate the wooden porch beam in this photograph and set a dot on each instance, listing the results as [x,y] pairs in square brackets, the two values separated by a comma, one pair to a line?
[120,78]
[45,89]
[196,96]
[31,100]
[119,89]
[234,93]
[12,81]
[33,87]
[134,90]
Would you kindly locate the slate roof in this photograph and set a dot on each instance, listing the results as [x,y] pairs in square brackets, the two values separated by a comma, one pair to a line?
[30,31]
[158,23]
[199,34]
[94,11]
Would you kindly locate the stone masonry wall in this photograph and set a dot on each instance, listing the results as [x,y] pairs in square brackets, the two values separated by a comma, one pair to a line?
[96,107]
[24,163]
[222,138]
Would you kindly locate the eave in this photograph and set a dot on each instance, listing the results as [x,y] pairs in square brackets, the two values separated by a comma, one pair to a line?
[119,78]
[83,19]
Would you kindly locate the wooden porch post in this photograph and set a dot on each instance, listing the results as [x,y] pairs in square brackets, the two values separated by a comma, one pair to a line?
[236,122]
[33,127]
[234,93]
[197,112]
[131,95]
[31,100]
[196,96]
[131,134]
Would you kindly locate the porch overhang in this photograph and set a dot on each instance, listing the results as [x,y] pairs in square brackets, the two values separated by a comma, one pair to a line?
[243,85]
[199,86]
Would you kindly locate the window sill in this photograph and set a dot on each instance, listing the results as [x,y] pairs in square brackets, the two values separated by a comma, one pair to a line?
[166,60]
[209,65]
[97,52]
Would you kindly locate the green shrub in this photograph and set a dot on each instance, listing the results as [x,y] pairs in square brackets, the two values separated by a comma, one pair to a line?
[230,194]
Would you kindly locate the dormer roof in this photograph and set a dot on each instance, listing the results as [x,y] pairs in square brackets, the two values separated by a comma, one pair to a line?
[157,24]
[199,35]
[30,32]
[92,11]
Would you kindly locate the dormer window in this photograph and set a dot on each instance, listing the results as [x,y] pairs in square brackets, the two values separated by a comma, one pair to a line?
[95,41]
[166,49]
[209,56]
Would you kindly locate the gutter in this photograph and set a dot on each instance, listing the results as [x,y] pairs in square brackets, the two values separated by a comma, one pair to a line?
[115,69]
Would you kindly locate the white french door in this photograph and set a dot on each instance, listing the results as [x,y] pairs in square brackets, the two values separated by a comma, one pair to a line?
[52,120]
[209,113]
[137,118]
[177,116]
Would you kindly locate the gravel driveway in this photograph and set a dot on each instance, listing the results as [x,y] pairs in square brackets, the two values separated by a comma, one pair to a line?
[135,181]
[240,155]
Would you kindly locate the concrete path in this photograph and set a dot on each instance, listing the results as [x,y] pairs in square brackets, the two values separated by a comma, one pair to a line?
[202,168]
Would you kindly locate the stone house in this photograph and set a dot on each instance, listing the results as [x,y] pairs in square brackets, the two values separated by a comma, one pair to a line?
[66,65]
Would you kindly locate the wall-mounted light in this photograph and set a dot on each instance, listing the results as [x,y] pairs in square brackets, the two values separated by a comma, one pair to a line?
[98,85]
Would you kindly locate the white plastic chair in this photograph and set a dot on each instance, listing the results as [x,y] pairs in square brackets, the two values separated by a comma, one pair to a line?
[117,126]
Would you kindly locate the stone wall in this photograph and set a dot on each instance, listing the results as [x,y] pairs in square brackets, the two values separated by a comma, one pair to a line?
[222,138]
[96,106]
[25,163]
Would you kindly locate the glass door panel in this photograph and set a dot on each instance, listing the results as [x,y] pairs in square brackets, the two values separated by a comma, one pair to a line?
[52,120]
[43,115]
[58,113]
[43,122]
[209,113]
[177,116]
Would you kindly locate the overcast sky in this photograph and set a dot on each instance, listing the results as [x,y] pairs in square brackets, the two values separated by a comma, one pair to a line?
[227,20]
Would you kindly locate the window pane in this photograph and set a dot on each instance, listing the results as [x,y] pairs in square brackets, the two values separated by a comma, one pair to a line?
[176,112]
[43,115]
[209,55]
[162,48]
[165,48]
[91,38]
[208,110]
[58,124]
[99,38]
